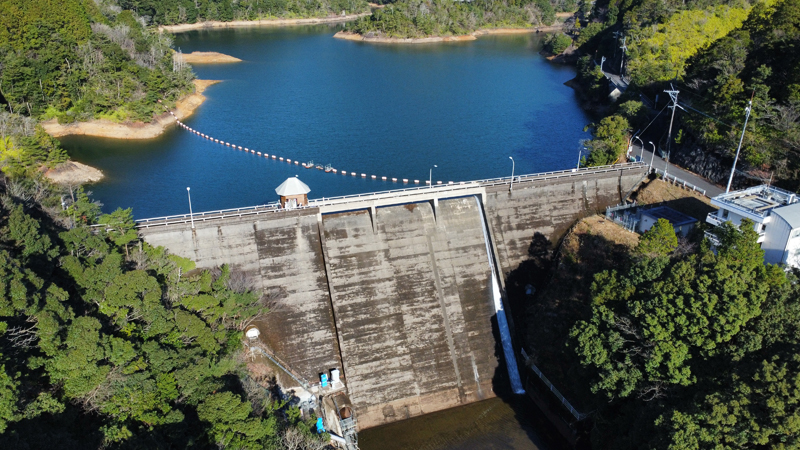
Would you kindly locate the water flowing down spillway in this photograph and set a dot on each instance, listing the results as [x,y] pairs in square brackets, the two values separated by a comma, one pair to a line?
[502,322]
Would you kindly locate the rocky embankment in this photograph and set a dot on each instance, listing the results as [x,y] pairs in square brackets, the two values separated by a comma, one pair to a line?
[132,130]
[707,165]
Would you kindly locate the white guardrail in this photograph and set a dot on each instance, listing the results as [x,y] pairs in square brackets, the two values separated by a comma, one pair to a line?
[355,198]
[678,181]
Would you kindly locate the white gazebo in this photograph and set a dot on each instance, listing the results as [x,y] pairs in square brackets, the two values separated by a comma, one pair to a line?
[293,193]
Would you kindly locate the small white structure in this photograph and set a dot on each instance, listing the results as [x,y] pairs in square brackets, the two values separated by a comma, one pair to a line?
[252,333]
[293,193]
[679,221]
[776,218]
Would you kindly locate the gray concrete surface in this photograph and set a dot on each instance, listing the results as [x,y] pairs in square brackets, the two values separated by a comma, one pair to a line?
[397,296]
[282,254]
[413,308]
[550,207]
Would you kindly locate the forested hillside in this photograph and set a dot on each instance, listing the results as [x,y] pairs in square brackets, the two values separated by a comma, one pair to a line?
[719,55]
[191,11]
[108,342]
[668,344]
[77,60]
[420,18]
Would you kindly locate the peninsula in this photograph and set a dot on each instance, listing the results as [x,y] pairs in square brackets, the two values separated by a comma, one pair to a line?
[132,130]
[207,58]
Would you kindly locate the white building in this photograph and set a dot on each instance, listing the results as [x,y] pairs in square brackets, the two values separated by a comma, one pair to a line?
[776,218]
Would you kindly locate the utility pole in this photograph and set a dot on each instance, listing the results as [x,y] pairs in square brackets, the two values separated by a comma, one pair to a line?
[673,94]
[736,159]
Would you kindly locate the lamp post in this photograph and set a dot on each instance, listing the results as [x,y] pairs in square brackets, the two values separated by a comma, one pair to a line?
[736,159]
[430,176]
[579,159]
[642,144]
[652,157]
[191,217]
[511,187]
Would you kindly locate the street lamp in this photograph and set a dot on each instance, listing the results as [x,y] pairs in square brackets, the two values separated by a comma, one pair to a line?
[511,188]
[191,217]
[652,157]
[642,144]
[430,176]
[579,159]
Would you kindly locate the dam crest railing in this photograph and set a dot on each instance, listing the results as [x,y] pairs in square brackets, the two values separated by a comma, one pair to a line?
[453,187]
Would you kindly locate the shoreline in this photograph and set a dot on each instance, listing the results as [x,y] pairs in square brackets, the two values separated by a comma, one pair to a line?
[350,36]
[206,58]
[184,107]
[73,173]
[259,23]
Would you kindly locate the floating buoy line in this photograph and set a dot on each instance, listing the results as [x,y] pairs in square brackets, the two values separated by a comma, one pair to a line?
[309,165]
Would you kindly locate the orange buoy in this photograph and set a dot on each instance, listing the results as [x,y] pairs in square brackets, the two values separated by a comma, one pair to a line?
[383,178]
[405,180]
[258,153]
[281,158]
[373,177]
[240,147]
[416,181]
[394,179]
[273,156]
[363,175]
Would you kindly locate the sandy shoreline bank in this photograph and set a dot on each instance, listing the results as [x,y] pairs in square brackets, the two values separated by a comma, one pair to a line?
[132,130]
[73,173]
[207,58]
[466,37]
[259,23]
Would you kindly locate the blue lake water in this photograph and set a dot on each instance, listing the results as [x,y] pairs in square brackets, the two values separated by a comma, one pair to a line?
[387,110]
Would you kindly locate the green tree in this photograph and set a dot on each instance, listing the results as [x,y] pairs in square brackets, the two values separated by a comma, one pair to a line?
[649,322]
[659,240]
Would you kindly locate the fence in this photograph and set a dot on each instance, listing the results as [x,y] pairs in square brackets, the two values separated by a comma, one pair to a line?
[625,214]
[679,182]
[575,413]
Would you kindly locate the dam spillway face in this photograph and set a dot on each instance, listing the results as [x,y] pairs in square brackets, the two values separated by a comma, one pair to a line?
[413,308]
[399,296]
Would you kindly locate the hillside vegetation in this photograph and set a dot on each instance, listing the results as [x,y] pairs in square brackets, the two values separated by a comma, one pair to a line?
[421,18]
[719,54]
[76,60]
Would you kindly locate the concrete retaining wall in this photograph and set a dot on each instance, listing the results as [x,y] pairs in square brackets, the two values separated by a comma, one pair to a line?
[549,207]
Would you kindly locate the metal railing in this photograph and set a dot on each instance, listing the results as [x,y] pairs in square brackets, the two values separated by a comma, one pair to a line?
[575,413]
[678,181]
[713,219]
[395,193]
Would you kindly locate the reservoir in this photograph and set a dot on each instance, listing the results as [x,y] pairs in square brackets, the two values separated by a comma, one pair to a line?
[388,110]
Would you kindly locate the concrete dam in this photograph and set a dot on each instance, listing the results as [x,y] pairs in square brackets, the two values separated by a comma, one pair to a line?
[397,289]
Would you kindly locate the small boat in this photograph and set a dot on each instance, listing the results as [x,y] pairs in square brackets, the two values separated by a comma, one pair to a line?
[328,168]
[319,166]
[308,165]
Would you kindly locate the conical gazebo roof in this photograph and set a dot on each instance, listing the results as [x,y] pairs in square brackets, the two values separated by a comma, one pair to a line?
[292,186]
